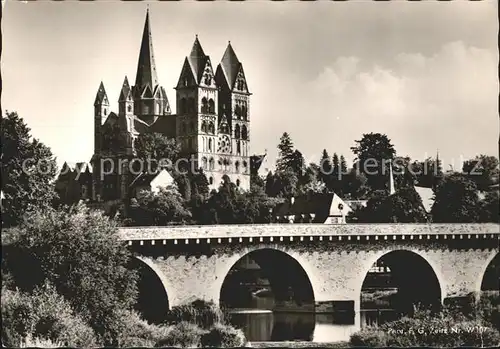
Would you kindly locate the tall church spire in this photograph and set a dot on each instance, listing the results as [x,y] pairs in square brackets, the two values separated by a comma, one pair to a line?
[197,59]
[230,65]
[146,68]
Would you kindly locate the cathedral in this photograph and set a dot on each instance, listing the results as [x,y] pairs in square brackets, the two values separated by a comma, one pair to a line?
[210,123]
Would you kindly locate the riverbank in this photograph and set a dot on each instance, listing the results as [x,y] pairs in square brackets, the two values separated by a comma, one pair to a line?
[296,344]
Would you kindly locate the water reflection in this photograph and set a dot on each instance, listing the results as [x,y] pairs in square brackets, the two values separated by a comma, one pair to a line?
[269,326]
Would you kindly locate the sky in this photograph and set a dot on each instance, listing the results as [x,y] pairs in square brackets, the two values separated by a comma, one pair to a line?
[423,73]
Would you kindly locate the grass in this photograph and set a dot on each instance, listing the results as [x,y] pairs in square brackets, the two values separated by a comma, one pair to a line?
[296,344]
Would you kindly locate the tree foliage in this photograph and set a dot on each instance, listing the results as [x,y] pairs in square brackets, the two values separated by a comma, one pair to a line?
[28,171]
[405,206]
[153,147]
[162,208]
[285,153]
[456,200]
[80,253]
[482,170]
[373,152]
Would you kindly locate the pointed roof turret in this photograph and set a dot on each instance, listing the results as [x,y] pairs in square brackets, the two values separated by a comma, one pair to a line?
[101,98]
[230,65]
[197,59]
[124,94]
[146,68]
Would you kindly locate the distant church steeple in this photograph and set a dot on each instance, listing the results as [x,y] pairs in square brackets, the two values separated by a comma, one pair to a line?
[146,68]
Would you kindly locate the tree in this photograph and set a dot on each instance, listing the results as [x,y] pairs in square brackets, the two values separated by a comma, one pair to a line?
[483,170]
[199,184]
[28,171]
[154,147]
[81,254]
[456,200]
[162,208]
[428,173]
[405,206]
[309,183]
[326,170]
[230,206]
[402,172]
[373,152]
[354,185]
[297,163]
[490,209]
[285,184]
[184,185]
[285,153]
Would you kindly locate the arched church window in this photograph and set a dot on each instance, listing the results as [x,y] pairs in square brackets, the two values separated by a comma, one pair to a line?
[238,147]
[211,164]
[204,163]
[211,127]
[244,111]
[129,108]
[210,144]
[237,111]
[211,106]
[204,105]
[204,126]
[237,182]
[182,106]
[237,166]
[211,180]
[244,133]
[237,132]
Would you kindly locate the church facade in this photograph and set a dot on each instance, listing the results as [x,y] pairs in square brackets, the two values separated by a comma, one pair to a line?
[210,124]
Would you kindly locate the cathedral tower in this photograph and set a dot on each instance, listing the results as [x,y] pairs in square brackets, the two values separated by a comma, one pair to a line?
[234,103]
[150,99]
[196,121]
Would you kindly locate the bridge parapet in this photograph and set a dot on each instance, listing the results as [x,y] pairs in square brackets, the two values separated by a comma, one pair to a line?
[309,232]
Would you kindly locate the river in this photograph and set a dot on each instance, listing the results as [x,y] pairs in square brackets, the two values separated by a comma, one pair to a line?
[265,325]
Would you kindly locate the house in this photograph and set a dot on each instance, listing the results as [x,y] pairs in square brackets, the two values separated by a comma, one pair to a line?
[326,208]
[427,196]
[151,182]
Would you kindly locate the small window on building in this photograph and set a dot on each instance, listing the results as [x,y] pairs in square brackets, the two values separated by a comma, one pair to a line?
[129,108]
[237,182]
[211,180]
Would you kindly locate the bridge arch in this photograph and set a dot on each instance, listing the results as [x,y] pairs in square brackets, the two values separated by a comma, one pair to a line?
[274,270]
[489,278]
[152,301]
[413,274]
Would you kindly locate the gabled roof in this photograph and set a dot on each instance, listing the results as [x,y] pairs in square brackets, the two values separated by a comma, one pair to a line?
[319,204]
[186,73]
[230,65]
[146,67]
[427,196]
[125,92]
[197,60]
[101,98]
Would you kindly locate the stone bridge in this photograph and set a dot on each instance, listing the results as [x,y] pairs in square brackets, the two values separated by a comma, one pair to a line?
[322,264]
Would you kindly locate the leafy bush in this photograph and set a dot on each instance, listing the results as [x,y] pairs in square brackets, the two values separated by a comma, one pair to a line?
[183,334]
[223,336]
[427,329]
[30,342]
[80,253]
[202,313]
[371,337]
[43,315]
[133,331]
